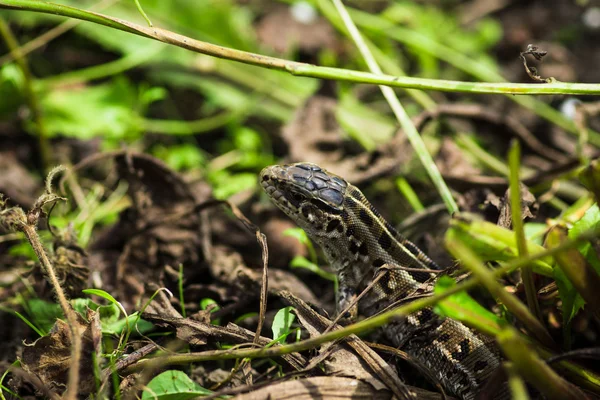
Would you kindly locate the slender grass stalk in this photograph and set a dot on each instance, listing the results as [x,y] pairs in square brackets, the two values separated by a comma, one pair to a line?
[409,194]
[141,10]
[518,390]
[383,59]
[514,156]
[405,121]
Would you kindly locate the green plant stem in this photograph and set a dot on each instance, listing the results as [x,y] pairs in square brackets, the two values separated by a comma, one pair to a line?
[30,95]
[186,128]
[514,157]
[409,194]
[141,10]
[302,69]
[518,390]
[405,122]
[180,287]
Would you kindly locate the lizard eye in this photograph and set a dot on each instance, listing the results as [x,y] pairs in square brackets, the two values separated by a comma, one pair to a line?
[298,197]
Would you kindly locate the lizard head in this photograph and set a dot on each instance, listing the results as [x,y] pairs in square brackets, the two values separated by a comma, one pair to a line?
[305,192]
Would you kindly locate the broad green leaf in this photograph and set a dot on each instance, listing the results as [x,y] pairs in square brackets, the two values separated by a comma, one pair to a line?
[173,385]
[106,110]
[282,322]
[43,313]
[181,158]
[81,305]
[226,185]
[534,232]
[464,308]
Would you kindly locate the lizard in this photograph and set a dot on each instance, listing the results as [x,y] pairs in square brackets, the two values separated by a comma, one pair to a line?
[357,241]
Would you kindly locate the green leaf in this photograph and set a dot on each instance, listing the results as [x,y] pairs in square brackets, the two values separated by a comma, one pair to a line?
[493,243]
[302,262]
[204,303]
[116,327]
[106,110]
[81,305]
[181,158]
[572,301]
[297,233]
[107,296]
[173,385]
[43,313]
[590,220]
[11,89]
[282,322]
[226,185]
[464,308]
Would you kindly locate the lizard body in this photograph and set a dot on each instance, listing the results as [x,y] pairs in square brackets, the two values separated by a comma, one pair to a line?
[357,241]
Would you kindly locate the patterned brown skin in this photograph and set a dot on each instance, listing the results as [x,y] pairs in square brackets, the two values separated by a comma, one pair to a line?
[357,241]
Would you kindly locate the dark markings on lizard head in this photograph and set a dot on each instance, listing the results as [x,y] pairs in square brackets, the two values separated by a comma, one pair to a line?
[354,247]
[378,263]
[464,382]
[333,224]
[424,316]
[349,231]
[385,241]
[480,365]
[464,350]
[356,194]
[305,212]
[388,286]
[345,216]
[364,249]
[444,337]
[421,277]
[349,203]
[365,217]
